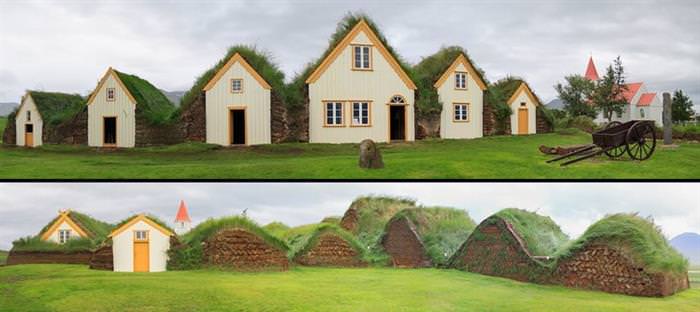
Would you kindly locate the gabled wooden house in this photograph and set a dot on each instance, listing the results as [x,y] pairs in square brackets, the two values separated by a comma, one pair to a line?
[140,244]
[40,112]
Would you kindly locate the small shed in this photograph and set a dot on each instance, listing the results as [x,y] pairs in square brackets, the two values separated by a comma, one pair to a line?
[39,112]
[140,244]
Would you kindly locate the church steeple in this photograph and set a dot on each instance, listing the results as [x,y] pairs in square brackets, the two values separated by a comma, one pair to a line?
[182,219]
[591,72]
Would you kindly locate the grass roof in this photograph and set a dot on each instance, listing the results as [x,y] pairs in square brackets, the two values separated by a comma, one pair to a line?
[56,107]
[95,228]
[429,70]
[639,235]
[212,226]
[154,105]
[276,228]
[295,95]
[261,61]
[373,212]
[149,216]
[541,235]
[97,232]
[303,241]
[442,229]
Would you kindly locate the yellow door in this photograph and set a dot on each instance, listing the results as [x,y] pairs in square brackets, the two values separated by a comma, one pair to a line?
[29,139]
[141,257]
[522,121]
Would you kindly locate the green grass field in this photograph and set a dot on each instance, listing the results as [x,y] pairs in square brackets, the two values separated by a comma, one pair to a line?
[3,256]
[491,157]
[76,288]
[3,123]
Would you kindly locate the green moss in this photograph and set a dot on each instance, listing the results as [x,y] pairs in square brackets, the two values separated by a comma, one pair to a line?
[304,242]
[150,101]
[636,234]
[56,107]
[541,235]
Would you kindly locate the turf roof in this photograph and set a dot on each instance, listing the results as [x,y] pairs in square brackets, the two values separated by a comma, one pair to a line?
[442,229]
[505,88]
[430,69]
[261,61]
[212,226]
[304,241]
[149,216]
[541,235]
[373,212]
[95,228]
[636,234]
[56,107]
[154,105]
[97,231]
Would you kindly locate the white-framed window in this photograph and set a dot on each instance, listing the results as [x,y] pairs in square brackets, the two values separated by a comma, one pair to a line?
[141,235]
[641,112]
[360,113]
[362,57]
[334,113]
[397,99]
[460,80]
[236,85]
[110,94]
[461,112]
[63,236]
[29,116]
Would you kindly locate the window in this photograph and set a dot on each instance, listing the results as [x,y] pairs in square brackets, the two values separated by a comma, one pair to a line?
[236,85]
[141,235]
[360,113]
[362,57]
[461,80]
[461,112]
[334,114]
[523,104]
[641,112]
[29,116]
[63,236]
[397,99]
[110,94]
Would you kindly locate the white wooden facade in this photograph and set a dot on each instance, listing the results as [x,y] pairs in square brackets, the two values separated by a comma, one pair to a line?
[28,115]
[124,241]
[454,96]
[338,80]
[65,224]
[523,99]
[252,95]
[123,107]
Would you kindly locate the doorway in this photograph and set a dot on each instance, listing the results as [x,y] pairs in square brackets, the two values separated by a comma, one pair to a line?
[397,123]
[110,131]
[237,127]
[141,255]
[29,135]
[523,125]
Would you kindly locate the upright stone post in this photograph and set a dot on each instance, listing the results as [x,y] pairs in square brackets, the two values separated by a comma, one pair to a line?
[667,116]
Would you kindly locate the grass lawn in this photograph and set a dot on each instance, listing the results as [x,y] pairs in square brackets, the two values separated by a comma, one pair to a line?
[491,157]
[3,256]
[76,288]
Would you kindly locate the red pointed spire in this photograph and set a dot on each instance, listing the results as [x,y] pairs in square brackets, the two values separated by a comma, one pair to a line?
[591,72]
[182,215]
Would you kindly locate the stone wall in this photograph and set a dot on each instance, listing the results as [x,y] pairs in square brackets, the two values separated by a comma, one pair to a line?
[48,257]
[193,124]
[242,250]
[427,126]
[490,124]
[278,118]
[102,259]
[330,250]
[148,134]
[349,220]
[542,125]
[298,118]
[9,137]
[598,266]
[404,246]
[71,131]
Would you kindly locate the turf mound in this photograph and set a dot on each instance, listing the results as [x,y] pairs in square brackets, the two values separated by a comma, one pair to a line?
[512,243]
[152,103]
[419,237]
[368,215]
[329,245]
[623,253]
[232,242]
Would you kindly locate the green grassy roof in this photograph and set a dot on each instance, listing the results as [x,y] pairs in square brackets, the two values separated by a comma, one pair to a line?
[154,105]
[639,235]
[56,107]
[442,229]
[429,70]
[96,229]
[503,89]
[306,238]
[212,226]
[541,235]
[261,61]
[276,228]
[149,216]
[97,232]
[373,212]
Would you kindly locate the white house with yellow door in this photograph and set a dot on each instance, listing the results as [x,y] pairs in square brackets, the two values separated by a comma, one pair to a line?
[360,91]
[524,105]
[38,107]
[237,105]
[140,245]
[461,91]
[64,228]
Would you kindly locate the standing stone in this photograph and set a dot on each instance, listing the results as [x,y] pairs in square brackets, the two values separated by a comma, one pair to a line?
[667,115]
[369,155]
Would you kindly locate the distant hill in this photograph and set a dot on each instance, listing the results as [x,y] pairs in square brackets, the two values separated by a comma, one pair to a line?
[688,244]
[7,108]
[174,96]
[555,104]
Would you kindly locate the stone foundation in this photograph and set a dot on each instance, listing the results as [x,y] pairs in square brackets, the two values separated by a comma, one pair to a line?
[331,250]
[542,125]
[48,257]
[241,250]
[404,245]
[193,124]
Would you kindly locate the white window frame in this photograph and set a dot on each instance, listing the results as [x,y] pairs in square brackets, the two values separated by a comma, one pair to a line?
[240,89]
[63,236]
[111,94]
[336,115]
[460,112]
[361,113]
[461,80]
[138,237]
[365,57]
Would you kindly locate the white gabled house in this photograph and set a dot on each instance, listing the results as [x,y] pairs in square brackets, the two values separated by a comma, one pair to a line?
[28,123]
[461,90]
[140,245]
[524,105]
[359,91]
[238,105]
[64,228]
[111,113]
[39,112]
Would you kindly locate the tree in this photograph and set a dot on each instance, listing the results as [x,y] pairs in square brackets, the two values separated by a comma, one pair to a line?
[681,107]
[576,95]
[608,95]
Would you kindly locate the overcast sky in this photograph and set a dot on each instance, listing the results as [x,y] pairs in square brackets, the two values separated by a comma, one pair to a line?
[27,207]
[67,45]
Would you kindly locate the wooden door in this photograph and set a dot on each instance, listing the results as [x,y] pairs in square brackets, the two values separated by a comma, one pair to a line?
[523,121]
[29,135]
[141,257]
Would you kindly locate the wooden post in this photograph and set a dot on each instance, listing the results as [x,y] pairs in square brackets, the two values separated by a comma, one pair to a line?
[667,118]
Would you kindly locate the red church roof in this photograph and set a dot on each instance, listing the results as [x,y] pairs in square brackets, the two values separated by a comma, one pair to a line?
[632,89]
[646,99]
[591,72]
[182,215]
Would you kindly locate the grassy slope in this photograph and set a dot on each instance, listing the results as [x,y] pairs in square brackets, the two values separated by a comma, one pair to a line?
[541,234]
[69,288]
[491,157]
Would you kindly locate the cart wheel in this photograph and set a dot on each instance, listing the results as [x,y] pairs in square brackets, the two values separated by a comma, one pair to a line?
[641,140]
[616,152]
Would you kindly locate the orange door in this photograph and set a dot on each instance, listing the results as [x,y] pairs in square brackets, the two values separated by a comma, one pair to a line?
[522,121]
[29,139]
[141,257]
